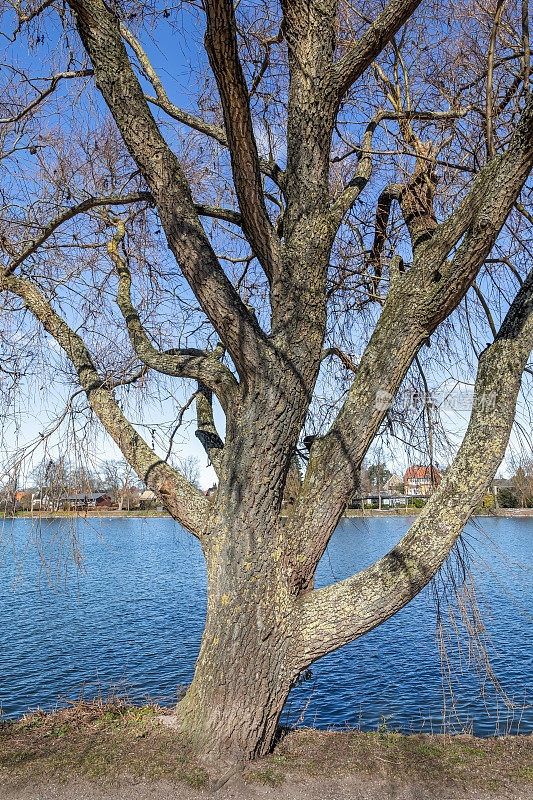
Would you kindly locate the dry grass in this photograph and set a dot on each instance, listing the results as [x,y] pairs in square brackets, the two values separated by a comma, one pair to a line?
[431,760]
[104,739]
[101,739]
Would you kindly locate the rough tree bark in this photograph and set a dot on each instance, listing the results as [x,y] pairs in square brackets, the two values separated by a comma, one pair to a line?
[265,621]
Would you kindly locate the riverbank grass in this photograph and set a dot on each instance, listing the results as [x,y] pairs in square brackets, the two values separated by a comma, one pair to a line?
[96,740]
[430,760]
[102,742]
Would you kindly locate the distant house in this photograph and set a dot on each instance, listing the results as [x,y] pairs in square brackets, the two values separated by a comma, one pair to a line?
[147,499]
[503,483]
[420,481]
[83,500]
[394,484]
[10,501]
[381,500]
[40,501]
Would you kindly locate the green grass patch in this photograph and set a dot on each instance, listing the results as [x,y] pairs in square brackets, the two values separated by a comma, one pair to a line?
[430,760]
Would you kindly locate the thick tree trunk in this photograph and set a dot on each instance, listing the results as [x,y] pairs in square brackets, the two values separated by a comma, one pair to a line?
[242,679]
[231,710]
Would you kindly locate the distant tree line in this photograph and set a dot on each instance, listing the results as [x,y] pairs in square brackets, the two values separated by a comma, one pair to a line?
[54,479]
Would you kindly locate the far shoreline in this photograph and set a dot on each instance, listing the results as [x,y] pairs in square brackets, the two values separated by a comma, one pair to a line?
[350,513]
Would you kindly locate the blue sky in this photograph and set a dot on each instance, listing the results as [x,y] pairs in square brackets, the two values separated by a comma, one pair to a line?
[179,56]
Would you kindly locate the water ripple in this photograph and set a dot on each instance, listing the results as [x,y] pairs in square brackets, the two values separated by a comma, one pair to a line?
[136,615]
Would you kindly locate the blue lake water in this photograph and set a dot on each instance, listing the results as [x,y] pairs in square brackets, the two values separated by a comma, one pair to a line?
[133,614]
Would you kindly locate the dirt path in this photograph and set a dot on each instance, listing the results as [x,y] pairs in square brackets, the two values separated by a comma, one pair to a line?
[346,788]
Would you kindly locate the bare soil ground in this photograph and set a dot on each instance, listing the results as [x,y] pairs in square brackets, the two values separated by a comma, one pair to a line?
[118,752]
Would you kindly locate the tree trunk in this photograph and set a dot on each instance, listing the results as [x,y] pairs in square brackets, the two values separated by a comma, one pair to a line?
[242,678]
[231,710]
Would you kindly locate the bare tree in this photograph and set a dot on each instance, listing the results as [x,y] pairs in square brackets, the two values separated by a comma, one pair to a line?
[523,479]
[52,479]
[190,469]
[349,175]
[117,478]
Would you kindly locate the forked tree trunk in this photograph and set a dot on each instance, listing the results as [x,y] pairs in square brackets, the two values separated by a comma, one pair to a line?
[260,573]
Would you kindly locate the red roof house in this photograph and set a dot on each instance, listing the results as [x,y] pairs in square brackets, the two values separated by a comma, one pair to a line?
[420,481]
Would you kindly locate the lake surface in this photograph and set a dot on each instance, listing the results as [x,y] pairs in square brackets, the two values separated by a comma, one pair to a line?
[134,615]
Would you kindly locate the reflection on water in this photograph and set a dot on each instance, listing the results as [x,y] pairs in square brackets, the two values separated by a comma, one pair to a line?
[135,614]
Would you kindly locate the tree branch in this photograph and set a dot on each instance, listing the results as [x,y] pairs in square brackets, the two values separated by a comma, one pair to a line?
[186,504]
[189,363]
[527,46]
[390,193]
[338,614]
[361,177]
[206,431]
[343,358]
[216,212]
[485,307]
[489,127]
[378,34]
[365,155]
[271,169]
[70,213]
[124,380]
[515,162]
[236,326]
[267,44]
[222,49]
[417,302]
[23,18]
[54,82]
